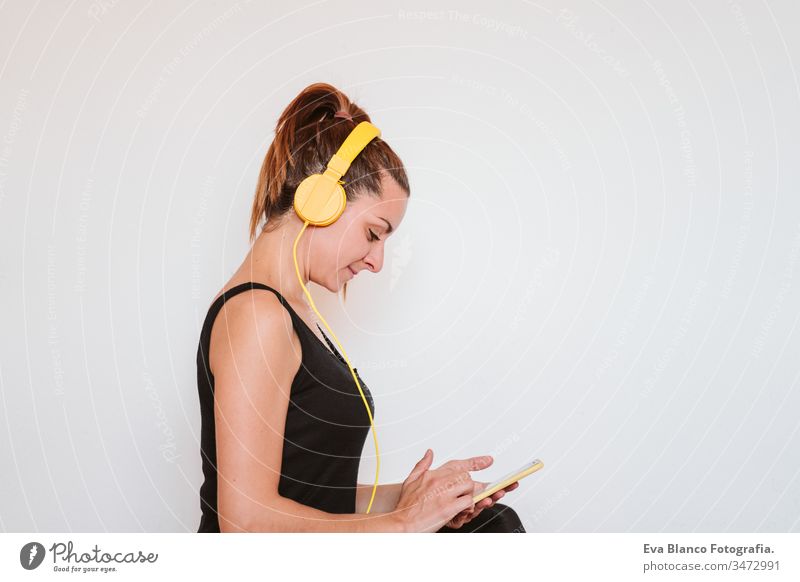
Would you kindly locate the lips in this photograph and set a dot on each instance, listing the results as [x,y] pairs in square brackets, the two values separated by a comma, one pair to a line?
[351,271]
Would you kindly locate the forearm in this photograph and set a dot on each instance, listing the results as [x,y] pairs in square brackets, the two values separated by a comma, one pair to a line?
[286,515]
[386,498]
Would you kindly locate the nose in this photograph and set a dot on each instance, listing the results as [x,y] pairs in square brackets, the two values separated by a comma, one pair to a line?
[374,260]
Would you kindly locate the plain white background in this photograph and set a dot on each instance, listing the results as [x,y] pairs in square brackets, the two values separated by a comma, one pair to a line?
[598,266]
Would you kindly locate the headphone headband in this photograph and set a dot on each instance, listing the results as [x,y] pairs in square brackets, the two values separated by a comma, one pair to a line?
[320,198]
[358,139]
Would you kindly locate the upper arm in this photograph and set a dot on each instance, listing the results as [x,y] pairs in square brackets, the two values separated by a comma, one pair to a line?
[254,355]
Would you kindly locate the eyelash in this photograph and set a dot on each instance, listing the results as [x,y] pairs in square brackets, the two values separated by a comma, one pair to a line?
[374,236]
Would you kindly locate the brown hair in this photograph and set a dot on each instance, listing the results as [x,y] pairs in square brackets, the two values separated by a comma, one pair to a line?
[306,137]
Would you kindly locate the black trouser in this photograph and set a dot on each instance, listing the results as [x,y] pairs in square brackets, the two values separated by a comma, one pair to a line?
[498,518]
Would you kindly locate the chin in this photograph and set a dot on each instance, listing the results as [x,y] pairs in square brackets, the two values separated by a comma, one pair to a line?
[337,286]
[332,289]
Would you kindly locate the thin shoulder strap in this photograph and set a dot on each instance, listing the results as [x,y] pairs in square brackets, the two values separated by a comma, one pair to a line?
[233,291]
[244,287]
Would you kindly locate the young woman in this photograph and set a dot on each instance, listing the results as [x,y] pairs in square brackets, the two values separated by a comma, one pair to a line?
[283,422]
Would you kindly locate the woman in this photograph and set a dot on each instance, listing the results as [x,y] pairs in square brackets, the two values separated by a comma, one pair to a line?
[283,422]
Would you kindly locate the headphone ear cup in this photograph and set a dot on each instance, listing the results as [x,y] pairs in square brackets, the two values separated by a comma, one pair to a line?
[319,200]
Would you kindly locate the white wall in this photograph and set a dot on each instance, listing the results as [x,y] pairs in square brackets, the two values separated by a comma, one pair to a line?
[598,265]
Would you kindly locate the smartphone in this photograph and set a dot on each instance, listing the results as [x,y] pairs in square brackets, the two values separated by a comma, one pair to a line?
[507,480]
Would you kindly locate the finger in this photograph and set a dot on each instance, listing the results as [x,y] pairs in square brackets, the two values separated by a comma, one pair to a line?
[465,516]
[458,483]
[472,516]
[466,485]
[506,490]
[422,465]
[471,464]
[485,503]
[479,486]
[462,517]
[459,519]
[462,503]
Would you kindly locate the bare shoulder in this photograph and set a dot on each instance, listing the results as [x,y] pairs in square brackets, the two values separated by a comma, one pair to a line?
[254,326]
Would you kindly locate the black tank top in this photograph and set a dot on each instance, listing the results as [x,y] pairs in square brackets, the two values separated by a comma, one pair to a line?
[326,423]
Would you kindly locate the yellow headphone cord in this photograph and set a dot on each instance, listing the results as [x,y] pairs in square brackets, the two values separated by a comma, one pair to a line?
[358,384]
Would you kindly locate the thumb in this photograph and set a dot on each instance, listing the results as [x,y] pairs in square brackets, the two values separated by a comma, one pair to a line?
[422,465]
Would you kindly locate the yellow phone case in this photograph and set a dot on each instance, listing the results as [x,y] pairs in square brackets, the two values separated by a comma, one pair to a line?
[526,470]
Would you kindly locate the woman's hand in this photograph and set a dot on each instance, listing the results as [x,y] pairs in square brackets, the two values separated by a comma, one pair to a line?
[429,499]
[468,515]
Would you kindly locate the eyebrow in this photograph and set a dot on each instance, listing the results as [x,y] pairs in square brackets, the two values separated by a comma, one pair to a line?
[391,228]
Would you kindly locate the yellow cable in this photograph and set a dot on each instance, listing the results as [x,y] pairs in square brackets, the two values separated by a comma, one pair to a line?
[358,384]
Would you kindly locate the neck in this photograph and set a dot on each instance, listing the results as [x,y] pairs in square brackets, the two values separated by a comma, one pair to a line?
[270,259]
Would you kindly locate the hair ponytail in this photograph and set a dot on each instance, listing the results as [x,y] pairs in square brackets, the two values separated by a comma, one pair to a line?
[306,136]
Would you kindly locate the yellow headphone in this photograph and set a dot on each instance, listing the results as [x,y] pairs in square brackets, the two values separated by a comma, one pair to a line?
[320,200]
